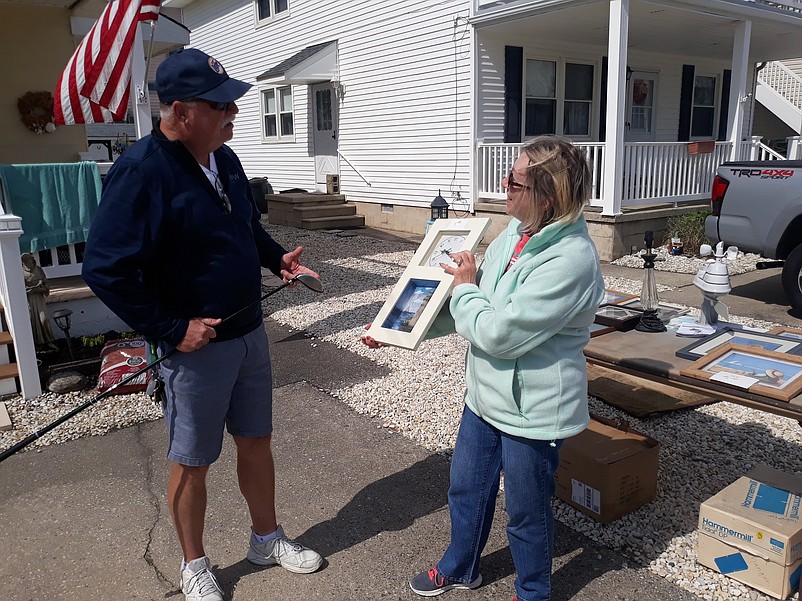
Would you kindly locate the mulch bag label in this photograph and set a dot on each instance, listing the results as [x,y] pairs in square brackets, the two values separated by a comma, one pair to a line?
[118,360]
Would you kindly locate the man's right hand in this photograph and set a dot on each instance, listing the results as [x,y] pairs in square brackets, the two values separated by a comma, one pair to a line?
[199,333]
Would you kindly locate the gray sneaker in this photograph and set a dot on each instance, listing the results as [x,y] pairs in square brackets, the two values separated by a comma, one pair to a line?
[285,552]
[198,582]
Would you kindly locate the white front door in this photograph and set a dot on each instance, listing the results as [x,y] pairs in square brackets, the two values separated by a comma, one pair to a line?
[324,124]
[641,94]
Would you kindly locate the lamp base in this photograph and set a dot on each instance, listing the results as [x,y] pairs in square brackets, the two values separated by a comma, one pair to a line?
[649,322]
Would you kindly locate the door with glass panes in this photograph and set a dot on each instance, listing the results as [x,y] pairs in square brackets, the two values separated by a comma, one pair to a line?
[641,92]
[324,124]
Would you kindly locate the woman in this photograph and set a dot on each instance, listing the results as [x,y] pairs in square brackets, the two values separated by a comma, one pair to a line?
[526,313]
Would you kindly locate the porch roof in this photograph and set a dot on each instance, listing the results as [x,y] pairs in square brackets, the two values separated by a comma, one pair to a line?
[313,64]
[677,27]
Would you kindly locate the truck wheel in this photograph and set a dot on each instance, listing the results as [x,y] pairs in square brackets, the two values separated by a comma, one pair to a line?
[792,278]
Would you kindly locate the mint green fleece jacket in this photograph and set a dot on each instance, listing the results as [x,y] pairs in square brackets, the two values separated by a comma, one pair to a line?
[527,328]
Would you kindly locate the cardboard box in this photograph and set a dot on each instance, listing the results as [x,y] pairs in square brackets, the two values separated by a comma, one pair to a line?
[751,530]
[766,576]
[608,470]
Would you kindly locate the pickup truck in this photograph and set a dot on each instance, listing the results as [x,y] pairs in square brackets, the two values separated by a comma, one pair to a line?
[757,206]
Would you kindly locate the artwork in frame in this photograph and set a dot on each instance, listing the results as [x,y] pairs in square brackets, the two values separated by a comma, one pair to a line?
[665,311]
[618,317]
[778,375]
[597,329]
[613,297]
[764,340]
[424,287]
[786,332]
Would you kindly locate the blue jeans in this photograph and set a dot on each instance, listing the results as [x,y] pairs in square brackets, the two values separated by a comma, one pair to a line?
[480,453]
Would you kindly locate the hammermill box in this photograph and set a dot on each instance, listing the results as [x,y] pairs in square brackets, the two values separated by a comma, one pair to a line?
[751,531]
[607,470]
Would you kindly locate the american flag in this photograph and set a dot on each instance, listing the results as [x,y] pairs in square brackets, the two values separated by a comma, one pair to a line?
[94,86]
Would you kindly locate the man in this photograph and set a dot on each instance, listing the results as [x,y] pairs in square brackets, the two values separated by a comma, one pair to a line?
[175,248]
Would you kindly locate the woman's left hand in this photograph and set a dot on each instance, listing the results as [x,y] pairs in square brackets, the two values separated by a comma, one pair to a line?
[464,270]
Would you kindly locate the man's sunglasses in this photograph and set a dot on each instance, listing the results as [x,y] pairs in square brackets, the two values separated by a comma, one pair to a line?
[513,185]
[217,106]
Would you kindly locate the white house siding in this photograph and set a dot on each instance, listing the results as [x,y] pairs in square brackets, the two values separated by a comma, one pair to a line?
[490,104]
[404,121]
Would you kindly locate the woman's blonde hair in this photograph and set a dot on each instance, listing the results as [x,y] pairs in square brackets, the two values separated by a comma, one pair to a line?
[558,182]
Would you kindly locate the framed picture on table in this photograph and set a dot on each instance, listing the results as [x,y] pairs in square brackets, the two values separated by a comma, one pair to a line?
[786,332]
[665,311]
[597,329]
[424,287]
[618,317]
[769,373]
[613,297]
[746,338]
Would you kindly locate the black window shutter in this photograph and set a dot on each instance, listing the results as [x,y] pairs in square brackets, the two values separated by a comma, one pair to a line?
[685,103]
[725,104]
[603,102]
[513,92]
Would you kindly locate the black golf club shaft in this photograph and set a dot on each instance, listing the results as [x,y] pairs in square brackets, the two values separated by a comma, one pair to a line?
[41,432]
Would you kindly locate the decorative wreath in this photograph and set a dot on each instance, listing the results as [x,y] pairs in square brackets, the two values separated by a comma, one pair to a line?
[36,111]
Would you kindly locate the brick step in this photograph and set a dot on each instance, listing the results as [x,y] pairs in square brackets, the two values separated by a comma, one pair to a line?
[300,200]
[326,223]
[9,370]
[338,210]
[5,338]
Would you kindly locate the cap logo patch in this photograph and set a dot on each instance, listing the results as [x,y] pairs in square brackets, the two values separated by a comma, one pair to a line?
[216,67]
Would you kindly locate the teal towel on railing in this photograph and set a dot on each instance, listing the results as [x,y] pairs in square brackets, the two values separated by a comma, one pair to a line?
[56,201]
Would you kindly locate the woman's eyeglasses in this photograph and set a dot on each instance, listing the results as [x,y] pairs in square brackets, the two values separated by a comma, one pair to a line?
[514,186]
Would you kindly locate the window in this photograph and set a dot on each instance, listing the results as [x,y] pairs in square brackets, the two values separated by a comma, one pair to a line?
[277,111]
[559,98]
[703,109]
[266,9]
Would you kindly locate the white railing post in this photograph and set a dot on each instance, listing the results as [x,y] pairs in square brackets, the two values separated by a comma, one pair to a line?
[794,150]
[754,148]
[15,302]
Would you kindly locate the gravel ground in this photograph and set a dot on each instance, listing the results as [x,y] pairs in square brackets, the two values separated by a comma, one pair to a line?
[702,450]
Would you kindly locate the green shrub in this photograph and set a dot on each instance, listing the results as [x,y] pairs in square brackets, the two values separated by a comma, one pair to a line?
[691,230]
[92,341]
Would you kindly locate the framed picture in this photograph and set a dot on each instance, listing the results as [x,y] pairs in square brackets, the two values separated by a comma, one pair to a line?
[778,376]
[424,287]
[597,329]
[665,311]
[618,317]
[764,340]
[786,332]
[613,297]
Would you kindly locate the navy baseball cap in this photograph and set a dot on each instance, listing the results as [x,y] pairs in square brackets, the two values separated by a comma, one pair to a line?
[190,73]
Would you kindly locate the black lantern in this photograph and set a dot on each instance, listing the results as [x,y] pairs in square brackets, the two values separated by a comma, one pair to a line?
[649,321]
[439,207]
[62,317]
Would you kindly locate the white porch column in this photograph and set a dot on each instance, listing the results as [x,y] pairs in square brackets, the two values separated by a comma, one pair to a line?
[738,97]
[139,87]
[15,302]
[616,106]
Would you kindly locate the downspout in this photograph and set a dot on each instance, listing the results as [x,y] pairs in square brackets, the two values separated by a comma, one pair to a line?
[758,69]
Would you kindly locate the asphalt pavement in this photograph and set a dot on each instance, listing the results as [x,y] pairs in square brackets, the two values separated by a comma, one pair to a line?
[88,520]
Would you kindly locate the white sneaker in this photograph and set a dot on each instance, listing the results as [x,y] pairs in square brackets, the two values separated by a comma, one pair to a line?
[285,552]
[198,582]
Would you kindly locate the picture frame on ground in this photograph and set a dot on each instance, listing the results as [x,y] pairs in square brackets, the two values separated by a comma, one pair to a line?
[786,332]
[779,376]
[618,317]
[423,289]
[764,340]
[665,311]
[613,297]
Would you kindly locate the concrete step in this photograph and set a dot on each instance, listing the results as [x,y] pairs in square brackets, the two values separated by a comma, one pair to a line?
[301,200]
[338,210]
[327,223]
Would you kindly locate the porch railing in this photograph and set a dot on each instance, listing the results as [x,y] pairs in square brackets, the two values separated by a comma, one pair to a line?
[653,172]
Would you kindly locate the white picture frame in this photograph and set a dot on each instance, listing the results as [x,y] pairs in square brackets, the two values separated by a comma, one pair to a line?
[424,287]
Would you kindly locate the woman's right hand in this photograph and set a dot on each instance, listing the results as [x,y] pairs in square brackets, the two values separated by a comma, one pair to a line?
[369,341]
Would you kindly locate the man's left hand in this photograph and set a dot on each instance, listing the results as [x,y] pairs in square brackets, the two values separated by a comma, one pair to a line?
[291,265]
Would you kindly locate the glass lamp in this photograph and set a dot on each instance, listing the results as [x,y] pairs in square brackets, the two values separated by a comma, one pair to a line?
[649,321]
[62,317]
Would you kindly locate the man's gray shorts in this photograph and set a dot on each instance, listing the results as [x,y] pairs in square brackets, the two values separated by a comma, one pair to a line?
[221,383]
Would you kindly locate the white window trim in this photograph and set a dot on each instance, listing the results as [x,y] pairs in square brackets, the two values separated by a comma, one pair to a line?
[273,15]
[559,117]
[716,105]
[262,112]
